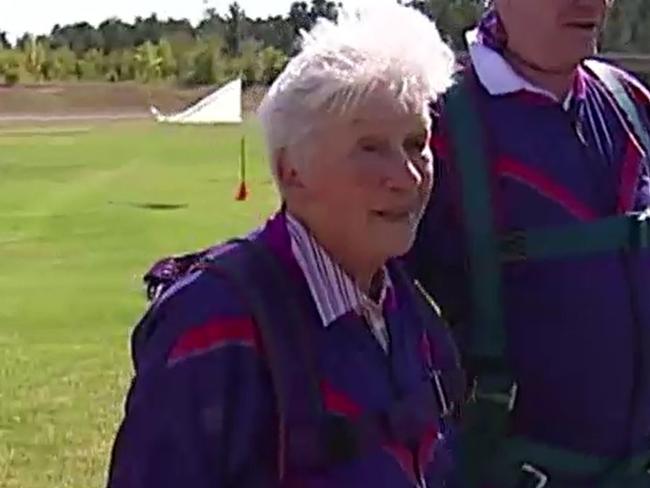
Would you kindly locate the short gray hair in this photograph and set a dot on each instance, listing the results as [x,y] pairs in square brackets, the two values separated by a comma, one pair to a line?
[341,62]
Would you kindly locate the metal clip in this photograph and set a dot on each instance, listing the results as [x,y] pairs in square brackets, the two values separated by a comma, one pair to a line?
[539,476]
[441,394]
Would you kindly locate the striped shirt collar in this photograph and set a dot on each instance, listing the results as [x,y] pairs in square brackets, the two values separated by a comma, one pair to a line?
[498,77]
[333,290]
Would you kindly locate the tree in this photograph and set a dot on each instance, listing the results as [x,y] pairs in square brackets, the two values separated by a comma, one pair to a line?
[248,65]
[35,57]
[218,48]
[177,26]
[299,17]
[209,66]
[23,41]
[11,65]
[127,65]
[4,42]
[183,48]
[168,65]
[272,62]
[80,37]
[274,32]
[115,34]
[452,17]
[149,29]
[147,62]
[234,26]
[61,64]
[91,67]
[302,16]
[628,27]
[211,24]
[323,8]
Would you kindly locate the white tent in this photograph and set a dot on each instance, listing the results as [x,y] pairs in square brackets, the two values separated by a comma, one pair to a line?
[221,106]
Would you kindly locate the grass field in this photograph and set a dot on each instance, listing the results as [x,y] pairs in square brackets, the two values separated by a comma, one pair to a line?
[80,220]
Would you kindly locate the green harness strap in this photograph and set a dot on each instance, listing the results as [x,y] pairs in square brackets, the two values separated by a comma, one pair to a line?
[517,452]
[487,417]
[627,232]
[487,250]
[488,341]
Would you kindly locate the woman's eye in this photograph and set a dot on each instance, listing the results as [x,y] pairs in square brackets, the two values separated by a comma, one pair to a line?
[370,146]
[415,144]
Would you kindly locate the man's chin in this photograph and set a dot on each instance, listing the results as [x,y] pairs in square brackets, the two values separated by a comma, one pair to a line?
[564,62]
[398,247]
[576,56]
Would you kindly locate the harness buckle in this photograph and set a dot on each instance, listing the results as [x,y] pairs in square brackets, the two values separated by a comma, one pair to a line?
[537,476]
[513,246]
[643,222]
[506,398]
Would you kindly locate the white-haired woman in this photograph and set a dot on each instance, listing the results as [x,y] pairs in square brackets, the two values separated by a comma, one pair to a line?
[302,355]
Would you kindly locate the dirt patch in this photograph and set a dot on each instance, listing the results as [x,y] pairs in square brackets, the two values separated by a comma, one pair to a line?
[44,131]
[104,100]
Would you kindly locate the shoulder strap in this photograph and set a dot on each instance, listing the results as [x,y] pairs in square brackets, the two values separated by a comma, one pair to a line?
[296,389]
[486,417]
[487,337]
[449,383]
[612,82]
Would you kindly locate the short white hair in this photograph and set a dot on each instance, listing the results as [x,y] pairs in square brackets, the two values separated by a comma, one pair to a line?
[341,62]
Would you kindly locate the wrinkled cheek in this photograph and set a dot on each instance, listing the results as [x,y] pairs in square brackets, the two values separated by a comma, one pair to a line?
[427,184]
[428,175]
[426,189]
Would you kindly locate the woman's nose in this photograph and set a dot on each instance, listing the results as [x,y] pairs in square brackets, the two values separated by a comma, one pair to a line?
[403,174]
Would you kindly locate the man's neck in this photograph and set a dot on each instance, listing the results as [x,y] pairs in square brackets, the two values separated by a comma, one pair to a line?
[559,83]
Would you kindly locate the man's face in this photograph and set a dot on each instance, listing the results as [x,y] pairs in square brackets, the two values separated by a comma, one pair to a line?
[369,177]
[553,34]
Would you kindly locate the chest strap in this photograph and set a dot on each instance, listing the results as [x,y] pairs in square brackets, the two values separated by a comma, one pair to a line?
[524,464]
[309,437]
[617,233]
[334,438]
[487,418]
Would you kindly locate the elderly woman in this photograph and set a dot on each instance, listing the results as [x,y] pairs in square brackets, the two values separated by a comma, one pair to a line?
[301,355]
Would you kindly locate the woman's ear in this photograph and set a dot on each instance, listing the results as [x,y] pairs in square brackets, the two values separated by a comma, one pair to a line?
[288,174]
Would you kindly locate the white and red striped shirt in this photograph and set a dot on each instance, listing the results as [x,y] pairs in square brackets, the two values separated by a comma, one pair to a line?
[333,290]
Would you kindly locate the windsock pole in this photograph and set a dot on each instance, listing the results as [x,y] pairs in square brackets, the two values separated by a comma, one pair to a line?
[242,192]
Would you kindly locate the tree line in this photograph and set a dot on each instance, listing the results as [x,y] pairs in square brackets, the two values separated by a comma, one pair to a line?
[221,47]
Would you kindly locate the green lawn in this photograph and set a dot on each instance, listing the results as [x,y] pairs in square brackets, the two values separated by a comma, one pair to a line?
[79,223]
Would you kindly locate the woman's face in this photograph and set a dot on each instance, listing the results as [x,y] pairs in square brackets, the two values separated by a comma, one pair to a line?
[368,177]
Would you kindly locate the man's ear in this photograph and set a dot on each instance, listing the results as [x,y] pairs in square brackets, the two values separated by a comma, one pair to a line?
[289,175]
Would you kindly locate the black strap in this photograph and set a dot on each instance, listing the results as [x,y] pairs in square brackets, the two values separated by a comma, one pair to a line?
[449,385]
[293,370]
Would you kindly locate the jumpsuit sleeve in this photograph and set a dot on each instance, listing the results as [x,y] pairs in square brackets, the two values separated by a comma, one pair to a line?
[200,409]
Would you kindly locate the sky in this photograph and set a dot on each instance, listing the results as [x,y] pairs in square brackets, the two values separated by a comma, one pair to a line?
[39,16]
